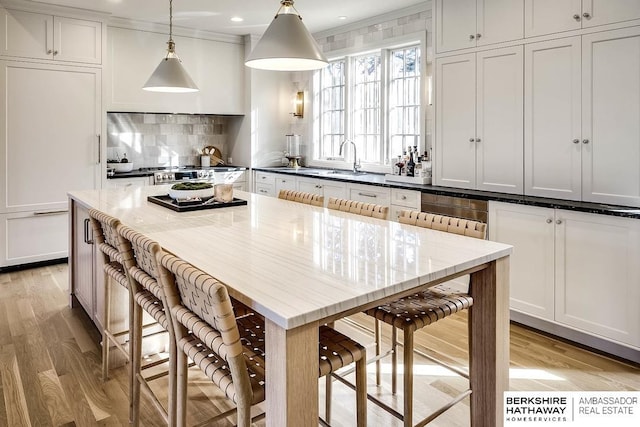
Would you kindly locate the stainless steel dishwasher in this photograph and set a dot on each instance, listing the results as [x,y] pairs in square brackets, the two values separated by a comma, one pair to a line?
[473,209]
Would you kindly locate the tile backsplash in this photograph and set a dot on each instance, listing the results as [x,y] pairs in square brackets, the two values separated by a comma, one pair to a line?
[152,140]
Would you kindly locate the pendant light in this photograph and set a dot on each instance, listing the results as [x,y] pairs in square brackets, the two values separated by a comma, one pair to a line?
[170,76]
[287,44]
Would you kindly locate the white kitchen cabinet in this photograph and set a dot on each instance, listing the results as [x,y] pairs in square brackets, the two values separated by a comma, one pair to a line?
[323,187]
[402,199]
[138,181]
[370,194]
[553,16]
[285,182]
[597,275]
[574,269]
[479,120]
[36,236]
[531,232]
[40,36]
[83,271]
[581,125]
[217,68]
[49,126]
[461,24]
[552,141]
[265,184]
[611,117]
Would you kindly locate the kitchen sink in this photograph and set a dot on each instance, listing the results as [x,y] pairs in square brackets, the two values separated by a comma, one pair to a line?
[336,173]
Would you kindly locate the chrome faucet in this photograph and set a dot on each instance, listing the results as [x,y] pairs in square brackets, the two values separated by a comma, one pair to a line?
[356,161]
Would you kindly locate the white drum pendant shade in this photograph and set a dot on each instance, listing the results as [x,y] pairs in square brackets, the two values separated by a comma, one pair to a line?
[170,76]
[286,46]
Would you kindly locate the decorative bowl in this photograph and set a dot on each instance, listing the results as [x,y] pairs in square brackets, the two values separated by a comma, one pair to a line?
[189,190]
[120,167]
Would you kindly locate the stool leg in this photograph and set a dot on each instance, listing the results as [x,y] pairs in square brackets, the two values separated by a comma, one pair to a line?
[378,335]
[106,320]
[172,406]
[327,398]
[394,360]
[181,392]
[408,378]
[136,355]
[361,391]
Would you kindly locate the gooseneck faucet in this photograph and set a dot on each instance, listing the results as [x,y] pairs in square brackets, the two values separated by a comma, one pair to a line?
[356,161]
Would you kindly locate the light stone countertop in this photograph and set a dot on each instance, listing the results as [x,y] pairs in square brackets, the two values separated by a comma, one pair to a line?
[297,263]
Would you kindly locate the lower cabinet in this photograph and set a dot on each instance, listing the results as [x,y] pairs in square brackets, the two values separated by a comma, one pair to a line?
[575,269]
[265,184]
[35,236]
[403,200]
[138,181]
[370,194]
[323,187]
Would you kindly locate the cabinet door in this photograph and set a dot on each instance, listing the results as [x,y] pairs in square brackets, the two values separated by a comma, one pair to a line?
[26,34]
[33,236]
[455,147]
[531,232]
[611,117]
[370,194]
[284,182]
[600,12]
[455,24]
[551,16]
[499,120]
[597,275]
[552,122]
[499,21]
[77,40]
[127,182]
[309,185]
[49,126]
[81,257]
[333,189]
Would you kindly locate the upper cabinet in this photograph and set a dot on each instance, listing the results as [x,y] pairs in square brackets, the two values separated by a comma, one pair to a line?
[581,124]
[41,36]
[464,24]
[217,68]
[553,16]
[479,120]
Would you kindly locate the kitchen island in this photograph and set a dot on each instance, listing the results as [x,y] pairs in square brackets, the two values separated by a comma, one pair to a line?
[301,266]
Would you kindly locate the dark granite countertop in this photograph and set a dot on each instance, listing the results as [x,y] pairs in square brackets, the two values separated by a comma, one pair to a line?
[142,172]
[378,179]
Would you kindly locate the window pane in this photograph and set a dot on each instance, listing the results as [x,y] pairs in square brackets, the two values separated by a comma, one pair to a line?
[404,99]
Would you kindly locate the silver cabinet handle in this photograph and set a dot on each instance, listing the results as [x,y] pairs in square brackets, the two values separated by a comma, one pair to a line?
[558,221]
[586,15]
[367,195]
[46,213]
[576,141]
[585,141]
[576,17]
[549,220]
[472,36]
[87,240]
[99,149]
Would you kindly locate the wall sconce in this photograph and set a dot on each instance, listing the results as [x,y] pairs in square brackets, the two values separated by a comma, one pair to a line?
[298,104]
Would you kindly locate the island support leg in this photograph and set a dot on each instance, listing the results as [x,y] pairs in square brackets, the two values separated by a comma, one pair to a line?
[489,343]
[292,375]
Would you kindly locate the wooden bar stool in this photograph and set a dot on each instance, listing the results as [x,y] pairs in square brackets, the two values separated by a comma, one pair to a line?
[359,208]
[230,350]
[422,309]
[302,197]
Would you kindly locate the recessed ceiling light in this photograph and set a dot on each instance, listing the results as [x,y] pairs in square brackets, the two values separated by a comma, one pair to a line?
[237,19]
[342,18]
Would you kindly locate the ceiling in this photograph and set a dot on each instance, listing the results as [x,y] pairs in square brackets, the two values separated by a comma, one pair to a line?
[215,15]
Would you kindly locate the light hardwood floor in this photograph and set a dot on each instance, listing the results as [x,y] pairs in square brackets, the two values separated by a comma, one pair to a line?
[50,366]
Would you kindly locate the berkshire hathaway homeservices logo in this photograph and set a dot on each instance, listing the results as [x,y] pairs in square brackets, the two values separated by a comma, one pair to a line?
[572,408]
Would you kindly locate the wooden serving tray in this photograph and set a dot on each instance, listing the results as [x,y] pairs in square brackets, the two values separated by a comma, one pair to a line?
[168,202]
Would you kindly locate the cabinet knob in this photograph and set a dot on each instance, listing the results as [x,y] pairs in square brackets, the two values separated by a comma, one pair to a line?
[478,35]
[404,197]
[558,221]
[549,220]
[472,36]
[576,17]
[576,141]
[55,52]
[49,52]
[586,15]
[477,139]
[585,141]
[471,139]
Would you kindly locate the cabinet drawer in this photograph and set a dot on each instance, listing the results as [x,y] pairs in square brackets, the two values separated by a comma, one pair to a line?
[407,198]
[266,189]
[33,237]
[370,194]
[265,178]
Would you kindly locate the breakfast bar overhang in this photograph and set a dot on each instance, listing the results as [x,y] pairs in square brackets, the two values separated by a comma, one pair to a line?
[301,266]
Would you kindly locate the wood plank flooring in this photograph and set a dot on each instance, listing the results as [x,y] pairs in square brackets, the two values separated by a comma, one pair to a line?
[50,366]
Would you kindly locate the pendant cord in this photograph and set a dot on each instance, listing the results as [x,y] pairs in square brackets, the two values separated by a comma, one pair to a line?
[171,20]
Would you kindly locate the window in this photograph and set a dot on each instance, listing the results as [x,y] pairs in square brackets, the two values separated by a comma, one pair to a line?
[373,99]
